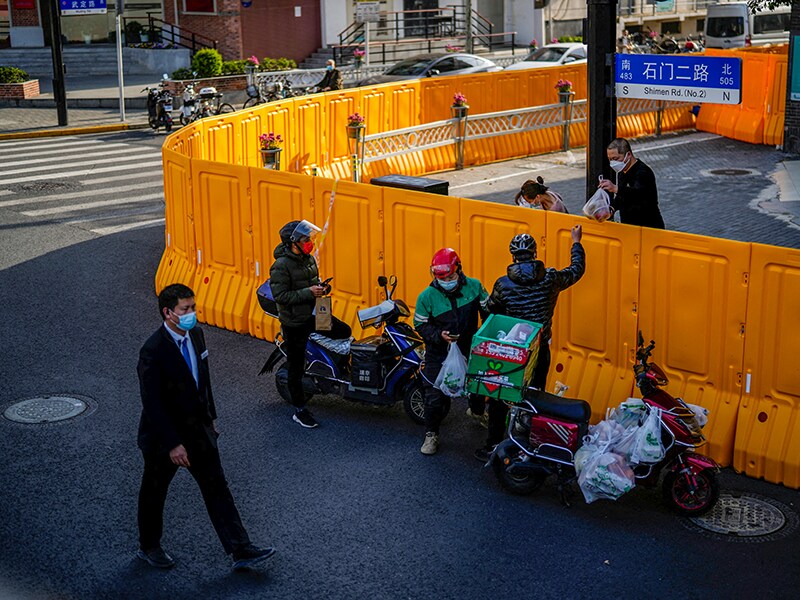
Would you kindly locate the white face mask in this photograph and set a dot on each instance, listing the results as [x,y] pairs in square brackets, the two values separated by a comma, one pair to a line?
[448,285]
[618,165]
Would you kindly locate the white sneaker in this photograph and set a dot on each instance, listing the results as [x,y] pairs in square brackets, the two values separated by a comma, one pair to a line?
[431,443]
[482,420]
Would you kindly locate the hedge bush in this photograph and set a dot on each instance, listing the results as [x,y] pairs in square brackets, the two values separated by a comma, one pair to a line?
[13,75]
[567,39]
[207,62]
[183,73]
[234,67]
[277,64]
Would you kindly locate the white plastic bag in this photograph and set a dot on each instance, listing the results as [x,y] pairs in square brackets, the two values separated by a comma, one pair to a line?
[700,414]
[628,413]
[453,375]
[605,475]
[598,207]
[647,447]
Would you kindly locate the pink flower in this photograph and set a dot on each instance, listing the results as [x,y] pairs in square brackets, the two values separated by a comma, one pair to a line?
[253,60]
[270,141]
[459,99]
[355,119]
[554,41]
[358,53]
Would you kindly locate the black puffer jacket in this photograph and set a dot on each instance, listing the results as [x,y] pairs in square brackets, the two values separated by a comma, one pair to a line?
[530,291]
[291,277]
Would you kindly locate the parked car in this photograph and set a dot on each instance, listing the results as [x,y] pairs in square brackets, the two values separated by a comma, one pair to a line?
[550,55]
[432,65]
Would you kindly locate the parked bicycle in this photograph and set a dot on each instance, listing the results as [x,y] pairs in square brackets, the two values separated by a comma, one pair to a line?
[267,92]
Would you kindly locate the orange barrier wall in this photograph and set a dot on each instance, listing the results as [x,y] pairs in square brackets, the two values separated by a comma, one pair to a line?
[760,116]
[721,312]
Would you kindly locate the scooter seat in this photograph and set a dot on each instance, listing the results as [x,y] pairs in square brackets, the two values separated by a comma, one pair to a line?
[577,411]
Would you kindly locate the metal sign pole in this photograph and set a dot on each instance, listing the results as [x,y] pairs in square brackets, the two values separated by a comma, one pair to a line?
[366,43]
[120,79]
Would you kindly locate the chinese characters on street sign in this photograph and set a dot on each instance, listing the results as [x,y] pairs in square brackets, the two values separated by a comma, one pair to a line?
[713,79]
[82,7]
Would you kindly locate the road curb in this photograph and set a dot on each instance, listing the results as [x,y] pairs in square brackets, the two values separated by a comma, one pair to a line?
[37,133]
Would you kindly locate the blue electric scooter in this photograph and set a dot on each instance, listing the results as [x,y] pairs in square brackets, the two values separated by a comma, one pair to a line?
[379,369]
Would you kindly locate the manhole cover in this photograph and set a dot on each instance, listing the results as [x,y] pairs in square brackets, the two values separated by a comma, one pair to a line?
[731,172]
[46,409]
[746,517]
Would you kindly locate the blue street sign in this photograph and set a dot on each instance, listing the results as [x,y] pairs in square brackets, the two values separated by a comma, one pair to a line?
[714,79]
[82,7]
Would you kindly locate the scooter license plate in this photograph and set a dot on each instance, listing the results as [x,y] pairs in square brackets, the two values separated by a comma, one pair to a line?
[168,107]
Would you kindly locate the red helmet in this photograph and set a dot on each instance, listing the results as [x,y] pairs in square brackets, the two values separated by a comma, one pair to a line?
[444,263]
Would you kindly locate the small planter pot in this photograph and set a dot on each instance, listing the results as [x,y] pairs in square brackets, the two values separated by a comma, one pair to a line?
[358,62]
[459,112]
[356,132]
[271,159]
[565,97]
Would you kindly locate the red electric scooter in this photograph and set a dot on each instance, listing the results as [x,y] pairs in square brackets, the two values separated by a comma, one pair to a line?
[545,431]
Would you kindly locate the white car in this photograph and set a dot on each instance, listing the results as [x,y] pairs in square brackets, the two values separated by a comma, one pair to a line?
[550,55]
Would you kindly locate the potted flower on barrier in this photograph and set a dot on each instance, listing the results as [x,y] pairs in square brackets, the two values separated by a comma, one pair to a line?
[565,93]
[358,57]
[271,150]
[533,45]
[355,126]
[459,108]
[451,48]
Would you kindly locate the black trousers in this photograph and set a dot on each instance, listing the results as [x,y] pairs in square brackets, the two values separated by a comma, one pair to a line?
[207,472]
[295,339]
[498,410]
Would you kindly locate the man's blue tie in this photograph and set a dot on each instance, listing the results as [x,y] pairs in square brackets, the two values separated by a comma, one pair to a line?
[186,357]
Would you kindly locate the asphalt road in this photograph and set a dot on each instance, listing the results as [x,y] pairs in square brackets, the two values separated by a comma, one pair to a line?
[353,508]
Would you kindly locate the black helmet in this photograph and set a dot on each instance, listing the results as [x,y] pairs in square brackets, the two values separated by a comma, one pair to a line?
[294,231]
[522,243]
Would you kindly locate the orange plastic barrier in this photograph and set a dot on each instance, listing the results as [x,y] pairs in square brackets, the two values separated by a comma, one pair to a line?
[593,343]
[178,263]
[692,302]
[722,312]
[776,101]
[768,426]
[223,226]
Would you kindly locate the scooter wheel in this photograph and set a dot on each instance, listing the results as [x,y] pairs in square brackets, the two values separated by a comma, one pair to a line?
[691,496]
[522,483]
[168,126]
[414,402]
[184,120]
[282,383]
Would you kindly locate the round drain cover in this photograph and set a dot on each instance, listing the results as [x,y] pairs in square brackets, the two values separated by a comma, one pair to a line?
[747,517]
[730,172]
[45,409]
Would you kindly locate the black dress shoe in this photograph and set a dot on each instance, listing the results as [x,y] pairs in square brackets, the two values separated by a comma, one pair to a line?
[250,555]
[156,557]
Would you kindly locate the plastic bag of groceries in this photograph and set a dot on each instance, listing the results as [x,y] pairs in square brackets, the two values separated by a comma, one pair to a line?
[598,207]
[647,447]
[604,474]
[453,375]
[628,413]
[700,414]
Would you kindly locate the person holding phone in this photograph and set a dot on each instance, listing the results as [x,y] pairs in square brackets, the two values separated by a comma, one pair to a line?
[448,311]
[295,283]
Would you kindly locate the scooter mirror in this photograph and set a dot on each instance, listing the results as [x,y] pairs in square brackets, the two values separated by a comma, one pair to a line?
[641,339]
[382,281]
[164,76]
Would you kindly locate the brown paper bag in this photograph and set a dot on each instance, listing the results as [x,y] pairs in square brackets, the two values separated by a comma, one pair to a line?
[323,314]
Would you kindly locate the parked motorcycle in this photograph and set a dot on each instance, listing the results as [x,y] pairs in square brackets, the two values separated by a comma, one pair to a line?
[159,106]
[189,107]
[379,369]
[555,428]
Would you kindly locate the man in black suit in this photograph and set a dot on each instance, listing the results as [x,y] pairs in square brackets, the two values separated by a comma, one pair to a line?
[177,429]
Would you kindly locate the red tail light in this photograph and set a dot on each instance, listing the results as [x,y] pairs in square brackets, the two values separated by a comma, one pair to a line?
[747,40]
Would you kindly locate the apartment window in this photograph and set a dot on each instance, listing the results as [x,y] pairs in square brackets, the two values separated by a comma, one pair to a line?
[671,27]
[200,6]
[701,25]
[770,22]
